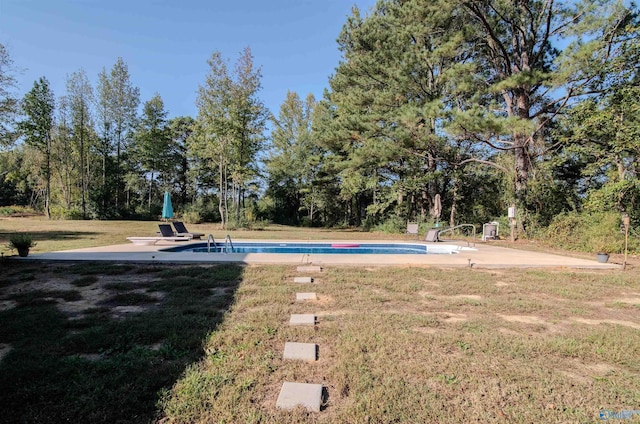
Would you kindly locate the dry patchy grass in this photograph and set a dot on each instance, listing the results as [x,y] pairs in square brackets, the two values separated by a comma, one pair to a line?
[52,235]
[432,346]
[395,344]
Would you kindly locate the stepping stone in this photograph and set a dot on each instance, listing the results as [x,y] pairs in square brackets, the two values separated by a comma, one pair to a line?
[301,351]
[310,268]
[301,297]
[306,395]
[303,280]
[302,319]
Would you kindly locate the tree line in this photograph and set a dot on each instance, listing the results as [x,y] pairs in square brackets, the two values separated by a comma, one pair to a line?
[440,110]
[91,153]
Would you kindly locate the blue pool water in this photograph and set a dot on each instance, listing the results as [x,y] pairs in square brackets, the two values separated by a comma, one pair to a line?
[315,248]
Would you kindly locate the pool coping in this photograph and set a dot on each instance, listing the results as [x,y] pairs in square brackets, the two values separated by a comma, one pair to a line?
[485,256]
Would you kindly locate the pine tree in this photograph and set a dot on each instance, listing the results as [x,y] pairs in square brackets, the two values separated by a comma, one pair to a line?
[38,106]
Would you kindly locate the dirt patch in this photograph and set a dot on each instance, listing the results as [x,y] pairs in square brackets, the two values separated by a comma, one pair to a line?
[334,313]
[91,296]
[509,332]
[451,317]
[323,299]
[4,349]
[426,294]
[5,305]
[123,311]
[524,319]
[502,284]
[425,330]
[430,283]
[629,300]
[607,321]
[218,291]
[431,296]
[91,357]
[467,296]
[586,373]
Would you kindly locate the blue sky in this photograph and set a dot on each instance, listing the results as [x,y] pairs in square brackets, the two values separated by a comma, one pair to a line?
[166,44]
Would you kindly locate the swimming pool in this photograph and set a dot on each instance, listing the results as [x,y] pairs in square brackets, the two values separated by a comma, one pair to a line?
[319,248]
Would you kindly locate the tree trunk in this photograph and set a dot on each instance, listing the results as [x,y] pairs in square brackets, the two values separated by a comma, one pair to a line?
[238,206]
[104,182]
[454,202]
[47,196]
[83,179]
[150,190]
[118,172]
[521,149]
[221,193]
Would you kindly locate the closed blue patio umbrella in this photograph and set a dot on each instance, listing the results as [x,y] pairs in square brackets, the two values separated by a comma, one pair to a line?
[167,209]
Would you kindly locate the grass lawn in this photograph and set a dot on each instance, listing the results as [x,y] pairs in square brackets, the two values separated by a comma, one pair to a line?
[118,343]
[52,235]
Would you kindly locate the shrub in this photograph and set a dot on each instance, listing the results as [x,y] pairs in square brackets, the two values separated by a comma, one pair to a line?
[392,225]
[21,241]
[587,232]
[59,212]
[16,210]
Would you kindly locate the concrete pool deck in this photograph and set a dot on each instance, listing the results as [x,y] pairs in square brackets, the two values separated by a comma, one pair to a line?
[485,256]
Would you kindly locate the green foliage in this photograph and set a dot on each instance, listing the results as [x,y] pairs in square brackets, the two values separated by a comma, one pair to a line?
[430,98]
[295,161]
[9,105]
[587,232]
[38,106]
[230,128]
[616,196]
[59,212]
[16,210]
[391,225]
[205,209]
[21,241]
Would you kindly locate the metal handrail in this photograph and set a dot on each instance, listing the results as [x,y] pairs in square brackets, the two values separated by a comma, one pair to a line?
[228,240]
[209,240]
[460,226]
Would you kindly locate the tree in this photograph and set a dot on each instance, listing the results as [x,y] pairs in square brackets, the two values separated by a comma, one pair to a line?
[601,135]
[428,88]
[79,98]
[105,146]
[230,126]
[248,123]
[526,78]
[8,102]
[181,129]
[63,157]
[118,102]
[38,107]
[213,126]
[391,104]
[125,99]
[294,159]
[153,142]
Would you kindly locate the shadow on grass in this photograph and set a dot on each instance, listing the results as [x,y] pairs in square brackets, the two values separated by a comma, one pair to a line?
[51,235]
[113,362]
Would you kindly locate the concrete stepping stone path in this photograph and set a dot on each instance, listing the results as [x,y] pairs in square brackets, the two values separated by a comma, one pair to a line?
[309,268]
[306,395]
[301,351]
[301,297]
[302,280]
[302,319]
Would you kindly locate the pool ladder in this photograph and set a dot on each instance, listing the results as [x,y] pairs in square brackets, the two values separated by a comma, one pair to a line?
[209,240]
[227,243]
[461,226]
